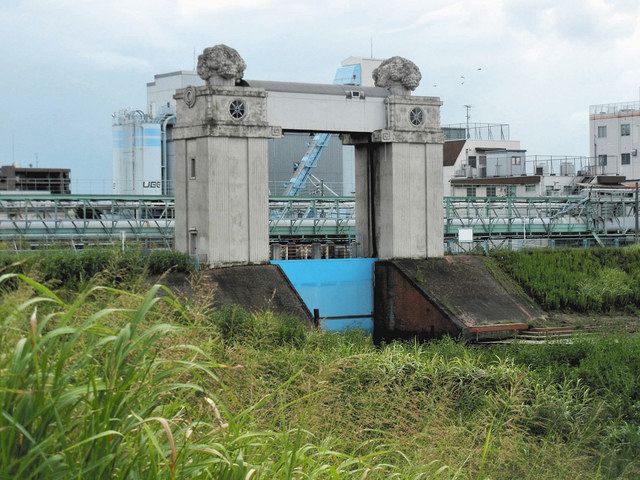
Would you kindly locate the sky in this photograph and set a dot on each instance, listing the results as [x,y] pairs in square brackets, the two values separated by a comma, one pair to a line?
[67,65]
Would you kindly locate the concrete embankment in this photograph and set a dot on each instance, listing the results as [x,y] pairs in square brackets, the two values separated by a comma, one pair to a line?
[256,288]
[461,296]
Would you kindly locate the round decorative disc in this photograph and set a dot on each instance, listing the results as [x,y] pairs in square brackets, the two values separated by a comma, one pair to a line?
[190,96]
[237,109]
[416,116]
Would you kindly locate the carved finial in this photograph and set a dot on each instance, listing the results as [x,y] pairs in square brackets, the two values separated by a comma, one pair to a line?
[220,65]
[398,74]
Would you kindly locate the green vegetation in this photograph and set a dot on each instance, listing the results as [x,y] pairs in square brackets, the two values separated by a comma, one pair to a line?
[133,383]
[71,269]
[595,280]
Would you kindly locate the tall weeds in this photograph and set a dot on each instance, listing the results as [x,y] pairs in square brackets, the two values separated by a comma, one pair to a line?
[594,280]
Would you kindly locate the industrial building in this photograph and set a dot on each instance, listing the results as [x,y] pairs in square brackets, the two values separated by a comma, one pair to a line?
[37,180]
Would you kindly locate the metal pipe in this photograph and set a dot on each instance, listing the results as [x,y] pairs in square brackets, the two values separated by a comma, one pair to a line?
[163,164]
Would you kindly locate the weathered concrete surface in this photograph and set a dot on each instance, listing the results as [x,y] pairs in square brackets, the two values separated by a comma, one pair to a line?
[220,65]
[398,74]
[221,132]
[256,288]
[458,296]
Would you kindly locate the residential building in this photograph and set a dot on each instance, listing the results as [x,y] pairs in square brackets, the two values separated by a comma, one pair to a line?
[614,131]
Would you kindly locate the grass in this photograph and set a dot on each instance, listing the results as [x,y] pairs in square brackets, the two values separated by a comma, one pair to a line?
[596,280]
[71,269]
[134,383]
[109,383]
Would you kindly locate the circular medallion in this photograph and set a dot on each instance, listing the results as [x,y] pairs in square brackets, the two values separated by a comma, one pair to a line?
[416,116]
[190,96]
[237,109]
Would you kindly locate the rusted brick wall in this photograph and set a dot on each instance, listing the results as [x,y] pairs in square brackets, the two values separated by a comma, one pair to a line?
[403,311]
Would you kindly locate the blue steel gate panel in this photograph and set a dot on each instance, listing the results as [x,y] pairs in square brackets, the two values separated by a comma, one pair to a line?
[338,288]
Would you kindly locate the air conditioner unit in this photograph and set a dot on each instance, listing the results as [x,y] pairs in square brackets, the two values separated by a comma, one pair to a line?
[567,169]
[355,94]
[634,152]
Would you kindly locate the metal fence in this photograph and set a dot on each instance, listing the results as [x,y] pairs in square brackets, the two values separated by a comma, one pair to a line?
[74,219]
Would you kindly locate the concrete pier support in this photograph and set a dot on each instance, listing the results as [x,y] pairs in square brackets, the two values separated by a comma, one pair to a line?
[221,186]
[399,187]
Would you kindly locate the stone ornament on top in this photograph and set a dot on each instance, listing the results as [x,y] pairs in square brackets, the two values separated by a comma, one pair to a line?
[221,65]
[397,74]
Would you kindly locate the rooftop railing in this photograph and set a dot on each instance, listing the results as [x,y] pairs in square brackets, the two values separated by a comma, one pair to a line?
[499,164]
[614,108]
[476,131]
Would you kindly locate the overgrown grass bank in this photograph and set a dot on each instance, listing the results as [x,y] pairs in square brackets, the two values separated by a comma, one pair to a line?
[70,269]
[107,383]
[594,280]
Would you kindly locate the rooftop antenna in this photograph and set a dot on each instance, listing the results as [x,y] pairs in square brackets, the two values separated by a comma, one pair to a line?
[371,45]
[13,149]
[468,107]
[194,59]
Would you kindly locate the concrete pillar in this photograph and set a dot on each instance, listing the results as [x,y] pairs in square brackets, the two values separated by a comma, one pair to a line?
[399,190]
[276,251]
[408,200]
[221,190]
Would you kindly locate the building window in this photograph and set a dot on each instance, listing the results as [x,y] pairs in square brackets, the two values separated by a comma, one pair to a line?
[491,191]
[193,241]
[602,131]
[602,160]
[471,191]
[192,167]
[625,159]
[511,190]
[549,190]
[530,187]
[516,160]
[472,162]
[625,130]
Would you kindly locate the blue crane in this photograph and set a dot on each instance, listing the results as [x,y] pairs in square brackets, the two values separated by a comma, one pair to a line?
[308,162]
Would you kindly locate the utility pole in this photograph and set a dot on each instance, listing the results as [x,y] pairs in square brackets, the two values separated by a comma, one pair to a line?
[637,202]
[468,107]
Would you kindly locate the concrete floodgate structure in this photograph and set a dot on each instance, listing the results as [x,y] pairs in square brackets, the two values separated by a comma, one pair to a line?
[459,296]
[221,195]
[221,133]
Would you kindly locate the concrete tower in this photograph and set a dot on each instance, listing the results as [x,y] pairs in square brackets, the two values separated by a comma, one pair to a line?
[221,188]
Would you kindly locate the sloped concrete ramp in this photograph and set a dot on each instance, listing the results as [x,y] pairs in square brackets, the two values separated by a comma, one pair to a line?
[462,296]
[256,288]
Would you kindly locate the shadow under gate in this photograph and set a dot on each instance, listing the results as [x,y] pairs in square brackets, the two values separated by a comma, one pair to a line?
[338,291]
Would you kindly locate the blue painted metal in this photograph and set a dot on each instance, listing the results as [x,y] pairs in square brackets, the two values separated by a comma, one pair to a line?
[348,75]
[337,288]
